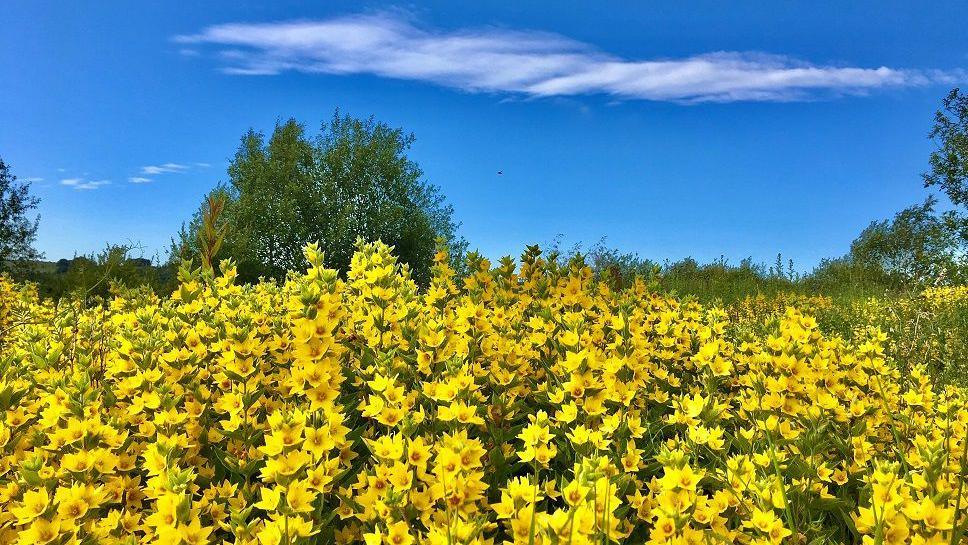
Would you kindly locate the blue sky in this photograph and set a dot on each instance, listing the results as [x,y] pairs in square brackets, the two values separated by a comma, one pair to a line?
[671,129]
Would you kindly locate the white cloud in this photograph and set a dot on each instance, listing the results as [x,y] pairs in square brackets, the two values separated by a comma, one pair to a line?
[33,179]
[81,183]
[530,63]
[164,168]
[167,168]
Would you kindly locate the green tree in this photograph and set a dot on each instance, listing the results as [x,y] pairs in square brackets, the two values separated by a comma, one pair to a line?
[18,232]
[96,277]
[916,247]
[919,245]
[949,163]
[352,181]
[270,194]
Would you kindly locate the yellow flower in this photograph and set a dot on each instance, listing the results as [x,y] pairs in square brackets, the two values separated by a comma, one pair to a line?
[270,534]
[402,412]
[195,533]
[684,478]
[663,529]
[417,453]
[373,538]
[34,504]
[398,533]
[387,447]
[274,445]
[932,515]
[574,493]
[390,416]
[41,531]
[77,462]
[761,520]
[71,509]
[299,497]
[320,477]
[400,477]
[269,498]
[318,441]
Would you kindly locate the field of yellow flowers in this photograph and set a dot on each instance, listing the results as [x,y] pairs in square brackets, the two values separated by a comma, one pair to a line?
[528,405]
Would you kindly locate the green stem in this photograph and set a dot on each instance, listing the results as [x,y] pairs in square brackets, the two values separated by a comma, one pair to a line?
[958,530]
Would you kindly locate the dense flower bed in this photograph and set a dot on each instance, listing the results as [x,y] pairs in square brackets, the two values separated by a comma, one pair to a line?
[529,406]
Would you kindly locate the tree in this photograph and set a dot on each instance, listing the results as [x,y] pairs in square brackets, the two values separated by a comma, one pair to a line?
[916,247]
[17,231]
[920,246]
[99,276]
[949,163]
[270,193]
[352,181]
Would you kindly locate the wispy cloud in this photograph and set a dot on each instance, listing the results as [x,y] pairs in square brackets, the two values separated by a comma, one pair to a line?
[167,168]
[33,179]
[83,184]
[530,63]
[164,168]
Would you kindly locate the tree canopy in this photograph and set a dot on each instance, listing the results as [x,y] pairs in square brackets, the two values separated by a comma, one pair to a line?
[18,232]
[949,163]
[353,180]
[921,245]
[917,246]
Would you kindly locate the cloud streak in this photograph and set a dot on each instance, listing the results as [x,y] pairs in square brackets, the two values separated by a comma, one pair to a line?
[529,63]
[83,184]
[167,168]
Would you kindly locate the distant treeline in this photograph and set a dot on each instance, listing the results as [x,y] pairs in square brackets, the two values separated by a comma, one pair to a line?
[98,276]
[854,275]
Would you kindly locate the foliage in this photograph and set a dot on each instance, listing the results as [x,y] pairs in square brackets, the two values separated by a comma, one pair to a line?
[212,231]
[353,181]
[533,406]
[949,163]
[846,278]
[896,257]
[619,269]
[98,277]
[714,282]
[927,329]
[17,232]
[917,247]
[722,283]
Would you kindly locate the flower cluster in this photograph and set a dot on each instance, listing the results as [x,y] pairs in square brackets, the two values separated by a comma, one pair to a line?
[929,329]
[527,405]
[756,309]
[946,294]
